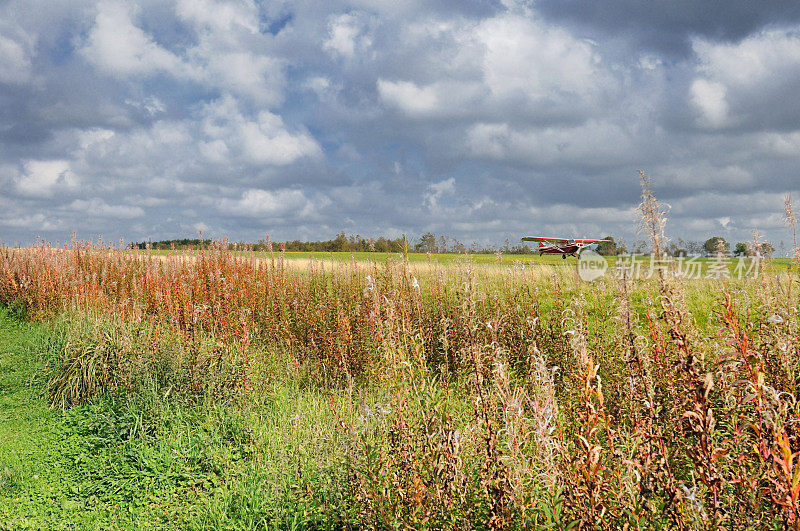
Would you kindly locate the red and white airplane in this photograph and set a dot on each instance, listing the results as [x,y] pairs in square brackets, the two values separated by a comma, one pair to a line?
[562,246]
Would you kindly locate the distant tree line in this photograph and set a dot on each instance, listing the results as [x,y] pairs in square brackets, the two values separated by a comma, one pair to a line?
[710,247]
[427,243]
[341,243]
[431,243]
[184,243]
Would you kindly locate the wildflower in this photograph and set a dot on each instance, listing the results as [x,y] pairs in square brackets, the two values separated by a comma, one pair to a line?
[414,283]
[515,406]
[370,286]
[690,494]
[775,319]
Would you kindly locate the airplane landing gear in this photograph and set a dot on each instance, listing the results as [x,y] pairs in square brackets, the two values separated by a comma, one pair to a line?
[563,257]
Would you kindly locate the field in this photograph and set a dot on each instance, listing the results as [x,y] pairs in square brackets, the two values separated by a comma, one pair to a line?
[233,390]
[435,259]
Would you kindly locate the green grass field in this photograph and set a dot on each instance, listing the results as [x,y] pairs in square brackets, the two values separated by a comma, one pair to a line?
[490,260]
[443,258]
[61,469]
[121,463]
[460,392]
[493,259]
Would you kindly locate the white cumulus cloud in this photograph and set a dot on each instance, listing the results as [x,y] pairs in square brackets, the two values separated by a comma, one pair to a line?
[116,45]
[43,178]
[709,99]
[263,140]
[15,61]
[348,34]
[753,82]
[210,15]
[409,97]
[267,204]
[99,208]
[525,58]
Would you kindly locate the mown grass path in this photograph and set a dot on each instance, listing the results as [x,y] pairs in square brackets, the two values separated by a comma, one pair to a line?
[90,467]
[38,479]
[46,462]
[34,471]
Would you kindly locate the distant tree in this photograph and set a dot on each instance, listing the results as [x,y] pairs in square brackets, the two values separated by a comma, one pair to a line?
[675,249]
[338,244]
[382,245]
[678,249]
[714,243]
[356,243]
[169,244]
[640,247]
[694,248]
[607,248]
[747,249]
[520,248]
[426,244]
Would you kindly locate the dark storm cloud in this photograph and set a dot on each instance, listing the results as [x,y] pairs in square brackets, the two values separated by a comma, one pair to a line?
[668,25]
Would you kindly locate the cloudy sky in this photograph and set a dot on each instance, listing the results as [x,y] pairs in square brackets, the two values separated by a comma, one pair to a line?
[477,119]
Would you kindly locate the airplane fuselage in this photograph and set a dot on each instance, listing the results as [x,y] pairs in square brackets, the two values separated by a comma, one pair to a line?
[562,246]
[563,250]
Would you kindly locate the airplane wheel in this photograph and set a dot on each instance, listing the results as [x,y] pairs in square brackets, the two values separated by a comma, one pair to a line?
[563,257]
[541,254]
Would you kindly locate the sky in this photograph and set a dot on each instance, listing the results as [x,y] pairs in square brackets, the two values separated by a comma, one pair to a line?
[480,120]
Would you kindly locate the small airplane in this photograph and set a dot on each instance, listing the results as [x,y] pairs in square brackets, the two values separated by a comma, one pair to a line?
[562,246]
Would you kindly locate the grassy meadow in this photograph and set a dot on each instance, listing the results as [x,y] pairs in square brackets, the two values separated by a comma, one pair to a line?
[294,258]
[228,389]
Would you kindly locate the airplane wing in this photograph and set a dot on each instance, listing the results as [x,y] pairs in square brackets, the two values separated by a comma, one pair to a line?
[561,240]
[539,239]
